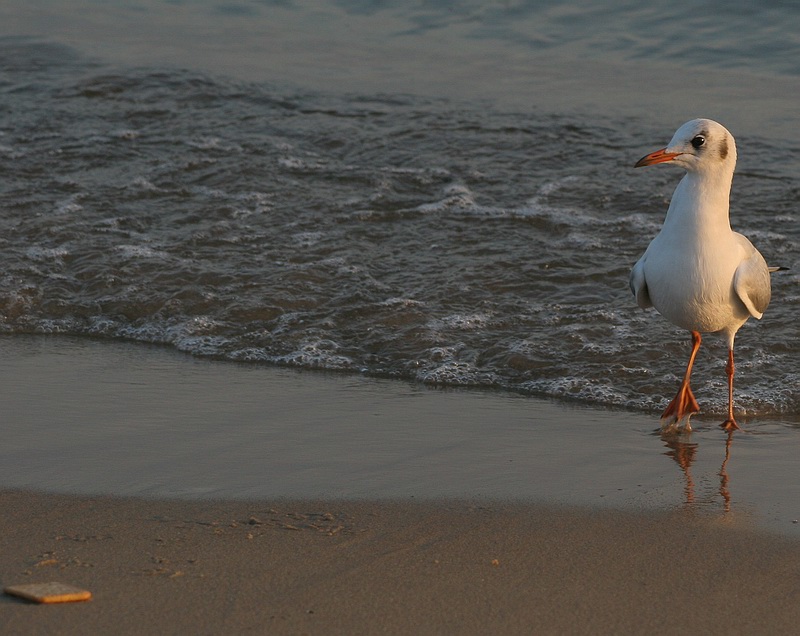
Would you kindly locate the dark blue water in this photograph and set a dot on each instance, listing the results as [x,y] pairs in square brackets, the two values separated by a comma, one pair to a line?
[440,192]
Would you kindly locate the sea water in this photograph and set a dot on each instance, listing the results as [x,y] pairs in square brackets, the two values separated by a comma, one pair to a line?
[441,192]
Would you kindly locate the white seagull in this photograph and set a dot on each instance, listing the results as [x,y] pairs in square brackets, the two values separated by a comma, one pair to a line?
[697,272]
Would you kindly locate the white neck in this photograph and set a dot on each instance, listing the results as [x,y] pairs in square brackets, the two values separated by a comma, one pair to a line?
[700,204]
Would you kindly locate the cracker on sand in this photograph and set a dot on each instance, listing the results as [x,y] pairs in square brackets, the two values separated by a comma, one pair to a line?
[49,592]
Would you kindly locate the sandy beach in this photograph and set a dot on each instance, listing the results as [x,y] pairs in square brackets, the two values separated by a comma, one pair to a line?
[305,567]
[192,496]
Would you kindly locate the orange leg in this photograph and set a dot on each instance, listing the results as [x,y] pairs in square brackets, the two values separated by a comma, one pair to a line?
[684,403]
[730,424]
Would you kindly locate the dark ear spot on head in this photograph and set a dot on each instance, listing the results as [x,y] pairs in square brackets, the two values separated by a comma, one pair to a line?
[723,148]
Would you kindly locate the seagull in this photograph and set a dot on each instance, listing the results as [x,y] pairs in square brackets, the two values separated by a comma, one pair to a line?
[697,272]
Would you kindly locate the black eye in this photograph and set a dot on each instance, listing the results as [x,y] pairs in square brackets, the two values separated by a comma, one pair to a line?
[698,141]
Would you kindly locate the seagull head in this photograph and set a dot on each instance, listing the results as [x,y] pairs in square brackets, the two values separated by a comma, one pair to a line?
[700,145]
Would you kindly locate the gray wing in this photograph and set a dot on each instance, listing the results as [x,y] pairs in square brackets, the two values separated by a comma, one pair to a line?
[639,284]
[751,280]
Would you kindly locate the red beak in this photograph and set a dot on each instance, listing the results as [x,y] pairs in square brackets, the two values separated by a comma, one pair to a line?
[659,156]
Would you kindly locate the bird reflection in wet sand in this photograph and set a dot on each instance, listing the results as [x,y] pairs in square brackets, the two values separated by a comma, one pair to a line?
[684,453]
[723,474]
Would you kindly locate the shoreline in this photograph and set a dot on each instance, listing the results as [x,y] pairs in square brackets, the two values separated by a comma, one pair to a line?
[90,417]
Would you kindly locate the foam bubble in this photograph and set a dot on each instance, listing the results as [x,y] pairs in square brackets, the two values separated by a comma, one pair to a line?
[45,254]
[461,322]
[140,251]
[456,373]
[317,354]
[454,196]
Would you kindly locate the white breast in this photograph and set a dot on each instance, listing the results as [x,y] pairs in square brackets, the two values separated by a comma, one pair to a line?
[690,282]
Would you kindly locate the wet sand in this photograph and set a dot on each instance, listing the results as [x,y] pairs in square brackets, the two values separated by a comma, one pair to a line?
[193,496]
[107,418]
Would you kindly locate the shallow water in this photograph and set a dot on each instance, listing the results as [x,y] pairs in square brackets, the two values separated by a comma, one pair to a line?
[438,193]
